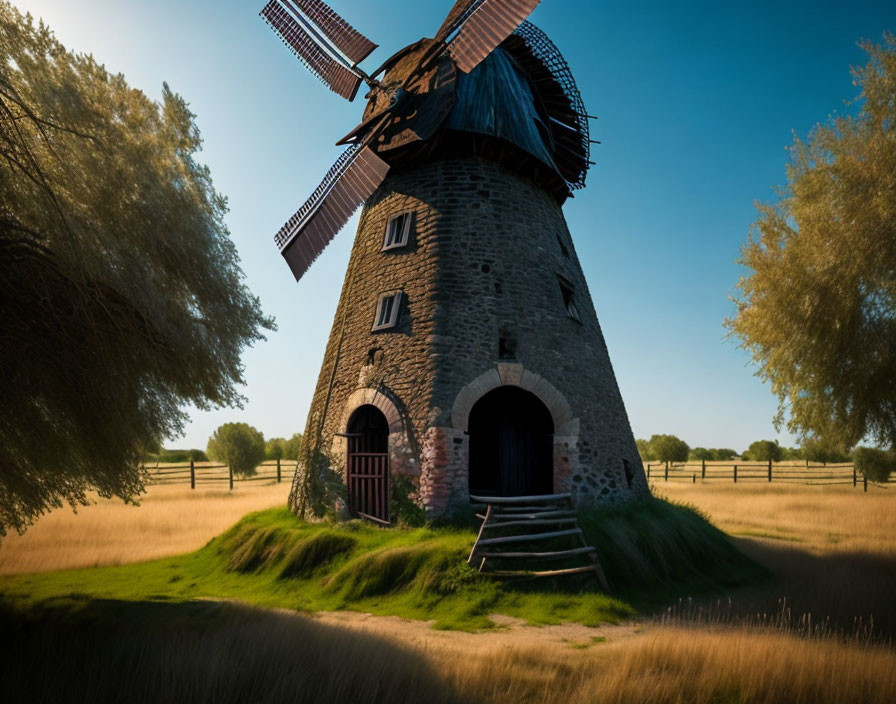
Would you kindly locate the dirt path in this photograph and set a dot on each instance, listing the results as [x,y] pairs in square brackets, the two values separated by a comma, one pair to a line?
[510,633]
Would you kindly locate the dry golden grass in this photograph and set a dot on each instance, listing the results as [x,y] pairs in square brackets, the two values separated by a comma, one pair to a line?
[821,519]
[170,520]
[832,550]
[223,653]
[678,666]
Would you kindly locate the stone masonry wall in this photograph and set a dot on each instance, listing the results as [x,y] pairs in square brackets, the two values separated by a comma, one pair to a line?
[483,262]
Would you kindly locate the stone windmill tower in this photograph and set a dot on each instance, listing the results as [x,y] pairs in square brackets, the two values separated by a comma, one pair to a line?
[465,354]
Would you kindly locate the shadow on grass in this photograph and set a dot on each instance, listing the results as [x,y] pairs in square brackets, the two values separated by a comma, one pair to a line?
[843,594]
[71,649]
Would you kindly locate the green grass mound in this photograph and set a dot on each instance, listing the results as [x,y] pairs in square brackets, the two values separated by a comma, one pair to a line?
[653,553]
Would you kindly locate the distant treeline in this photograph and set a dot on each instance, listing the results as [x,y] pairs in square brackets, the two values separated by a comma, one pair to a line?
[876,464]
[237,445]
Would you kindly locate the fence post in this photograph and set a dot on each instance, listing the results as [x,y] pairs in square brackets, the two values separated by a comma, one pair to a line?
[703,470]
[694,478]
[735,474]
[648,470]
[231,476]
[854,478]
[278,470]
[192,474]
[769,470]
[666,476]
[865,483]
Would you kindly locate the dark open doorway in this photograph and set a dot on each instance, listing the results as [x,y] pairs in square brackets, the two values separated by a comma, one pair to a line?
[368,463]
[511,444]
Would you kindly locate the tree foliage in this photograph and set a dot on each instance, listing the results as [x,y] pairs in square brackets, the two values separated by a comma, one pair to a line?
[712,454]
[292,448]
[818,309]
[875,464]
[643,449]
[273,449]
[120,290]
[281,448]
[665,448]
[763,451]
[239,445]
[817,450]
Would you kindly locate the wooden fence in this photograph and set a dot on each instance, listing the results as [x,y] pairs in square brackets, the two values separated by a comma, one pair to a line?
[735,471]
[209,473]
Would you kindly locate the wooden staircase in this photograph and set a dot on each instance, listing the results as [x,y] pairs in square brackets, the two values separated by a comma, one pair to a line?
[534,519]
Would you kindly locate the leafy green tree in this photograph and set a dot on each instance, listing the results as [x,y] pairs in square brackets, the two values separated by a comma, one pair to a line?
[791,453]
[763,451]
[874,463]
[274,449]
[644,449]
[239,445]
[668,448]
[121,296]
[818,308]
[293,448]
[723,453]
[700,453]
[817,450]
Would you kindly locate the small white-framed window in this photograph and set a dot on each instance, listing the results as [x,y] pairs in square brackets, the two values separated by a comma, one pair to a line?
[388,308]
[398,230]
[569,298]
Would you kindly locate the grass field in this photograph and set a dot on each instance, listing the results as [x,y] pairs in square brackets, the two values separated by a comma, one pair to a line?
[170,520]
[820,631]
[651,551]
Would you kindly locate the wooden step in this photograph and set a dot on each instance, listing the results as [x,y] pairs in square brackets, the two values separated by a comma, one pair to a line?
[526,538]
[531,522]
[560,513]
[557,554]
[505,500]
[541,573]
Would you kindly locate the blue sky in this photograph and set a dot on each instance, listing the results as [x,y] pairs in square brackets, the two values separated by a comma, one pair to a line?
[697,102]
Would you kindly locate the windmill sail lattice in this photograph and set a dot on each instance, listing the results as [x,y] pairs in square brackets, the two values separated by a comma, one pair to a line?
[345,37]
[334,74]
[351,180]
[560,95]
[456,15]
[483,29]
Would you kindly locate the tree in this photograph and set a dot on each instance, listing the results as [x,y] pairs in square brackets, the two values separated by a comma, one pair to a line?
[763,451]
[875,464]
[700,453]
[668,448]
[293,448]
[816,450]
[818,309]
[121,296]
[643,449]
[273,449]
[239,445]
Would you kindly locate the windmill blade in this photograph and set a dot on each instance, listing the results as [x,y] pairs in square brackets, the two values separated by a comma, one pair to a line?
[334,74]
[484,27]
[341,34]
[456,16]
[351,180]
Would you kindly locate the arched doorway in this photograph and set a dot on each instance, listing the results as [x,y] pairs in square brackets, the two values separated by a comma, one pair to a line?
[367,473]
[511,444]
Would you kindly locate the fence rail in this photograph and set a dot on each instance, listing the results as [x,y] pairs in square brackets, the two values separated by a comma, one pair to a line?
[206,473]
[841,473]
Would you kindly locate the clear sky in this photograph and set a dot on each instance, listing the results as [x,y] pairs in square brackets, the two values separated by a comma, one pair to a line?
[697,102]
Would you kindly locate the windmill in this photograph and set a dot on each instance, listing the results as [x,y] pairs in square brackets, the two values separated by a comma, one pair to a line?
[465,355]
